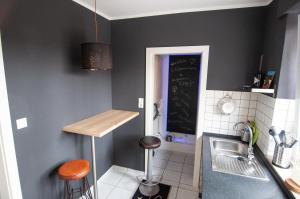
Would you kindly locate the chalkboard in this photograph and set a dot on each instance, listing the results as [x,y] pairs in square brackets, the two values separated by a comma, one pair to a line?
[183,93]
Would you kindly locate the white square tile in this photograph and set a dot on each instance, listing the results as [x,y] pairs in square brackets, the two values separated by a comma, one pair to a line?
[173,193]
[209,102]
[245,95]
[128,182]
[244,104]
[170,183]
[210,94]
[219,94]
[186,194]
[233,118]
[188,187]
[251,112]
[189,159]
[160,163]
[215,130]
[209,109]
[104,190]
[174,166]
[186,179]
[177,157]
[118,193]
[225,118]
[224,125]
[208,116]
[188,169]
[243,112]
[216,117]
[236,95]
[112,176]
[207,123]
[216,124]
[253,96]
[171,175]
[252,104]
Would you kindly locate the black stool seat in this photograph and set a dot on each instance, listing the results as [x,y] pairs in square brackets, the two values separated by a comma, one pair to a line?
[150,142]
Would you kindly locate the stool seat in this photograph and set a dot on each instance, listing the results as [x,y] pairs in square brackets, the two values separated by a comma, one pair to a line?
[74,170]
[150,142]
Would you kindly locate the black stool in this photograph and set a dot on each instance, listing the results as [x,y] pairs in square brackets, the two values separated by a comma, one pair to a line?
[149,186]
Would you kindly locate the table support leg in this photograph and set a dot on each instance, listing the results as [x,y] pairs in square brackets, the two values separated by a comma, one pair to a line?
[94,168]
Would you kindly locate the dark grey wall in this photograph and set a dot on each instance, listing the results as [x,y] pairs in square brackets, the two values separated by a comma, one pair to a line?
[273,40]
[285,6]
[234,36]
[41,44]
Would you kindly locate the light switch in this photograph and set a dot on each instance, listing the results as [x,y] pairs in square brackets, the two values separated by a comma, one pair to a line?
[21,123]
[141,103]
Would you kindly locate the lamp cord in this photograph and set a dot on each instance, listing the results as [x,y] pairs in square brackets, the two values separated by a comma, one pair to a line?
[95,19]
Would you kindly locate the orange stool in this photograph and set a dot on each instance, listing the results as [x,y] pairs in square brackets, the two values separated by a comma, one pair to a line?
[73,171]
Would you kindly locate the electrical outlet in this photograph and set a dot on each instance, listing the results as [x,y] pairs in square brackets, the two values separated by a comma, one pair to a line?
[141,103]
[21,123]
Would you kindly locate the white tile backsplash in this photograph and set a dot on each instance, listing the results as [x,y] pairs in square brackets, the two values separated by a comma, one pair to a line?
[265,110]
[215,122]
[272,112]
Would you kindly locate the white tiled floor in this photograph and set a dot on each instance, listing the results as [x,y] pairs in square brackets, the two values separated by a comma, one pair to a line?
[176,169]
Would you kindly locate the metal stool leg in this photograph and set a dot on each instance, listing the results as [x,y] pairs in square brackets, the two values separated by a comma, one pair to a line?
[149,166]
[67,191]
[86,188]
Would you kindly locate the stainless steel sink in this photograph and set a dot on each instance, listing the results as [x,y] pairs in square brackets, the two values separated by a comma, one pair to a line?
[230,156]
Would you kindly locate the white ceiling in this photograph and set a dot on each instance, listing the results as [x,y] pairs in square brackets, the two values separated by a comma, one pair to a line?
[122,9]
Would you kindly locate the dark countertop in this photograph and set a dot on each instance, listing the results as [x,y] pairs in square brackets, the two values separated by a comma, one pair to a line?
[216,185]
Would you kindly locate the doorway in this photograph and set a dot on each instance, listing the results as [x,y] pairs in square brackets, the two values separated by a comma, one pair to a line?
[153,57]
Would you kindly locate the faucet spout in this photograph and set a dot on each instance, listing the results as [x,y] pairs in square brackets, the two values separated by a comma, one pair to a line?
[248,129]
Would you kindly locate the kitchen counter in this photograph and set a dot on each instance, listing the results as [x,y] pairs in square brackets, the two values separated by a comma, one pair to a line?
[216,185]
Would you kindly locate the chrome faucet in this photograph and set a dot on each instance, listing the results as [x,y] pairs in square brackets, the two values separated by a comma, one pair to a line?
[248,129]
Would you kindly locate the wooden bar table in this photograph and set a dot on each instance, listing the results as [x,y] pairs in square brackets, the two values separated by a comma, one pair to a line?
[98,126]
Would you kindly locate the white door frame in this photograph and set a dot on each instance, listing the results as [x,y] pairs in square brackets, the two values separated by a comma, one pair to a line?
[150,61]
[10,182]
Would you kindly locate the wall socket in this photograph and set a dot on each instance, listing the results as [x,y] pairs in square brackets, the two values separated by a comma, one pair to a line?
[141,103]
[21,123]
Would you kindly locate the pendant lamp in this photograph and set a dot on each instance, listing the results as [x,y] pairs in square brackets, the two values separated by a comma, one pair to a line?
[96,55]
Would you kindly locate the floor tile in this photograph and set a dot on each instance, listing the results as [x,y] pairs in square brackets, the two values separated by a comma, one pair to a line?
[186,194]
[174,166]
[162,154]
[188,187]
[186,179]
[104,190]
[119,193]
[112,176]
[177,157]
[171,183]
[160,163]
[173,193]
[188,169]
[128,182]
[171,175]
[135,173]
[189,159]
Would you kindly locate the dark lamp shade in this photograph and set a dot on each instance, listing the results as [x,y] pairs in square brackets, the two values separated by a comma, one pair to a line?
[96,56]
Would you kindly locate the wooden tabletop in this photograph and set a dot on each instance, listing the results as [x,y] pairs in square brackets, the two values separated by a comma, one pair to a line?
[101,124]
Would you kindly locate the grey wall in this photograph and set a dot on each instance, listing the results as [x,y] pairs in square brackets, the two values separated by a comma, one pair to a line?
[273,39]
[41,44]
[288,71]
[285,6]
[234,36]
